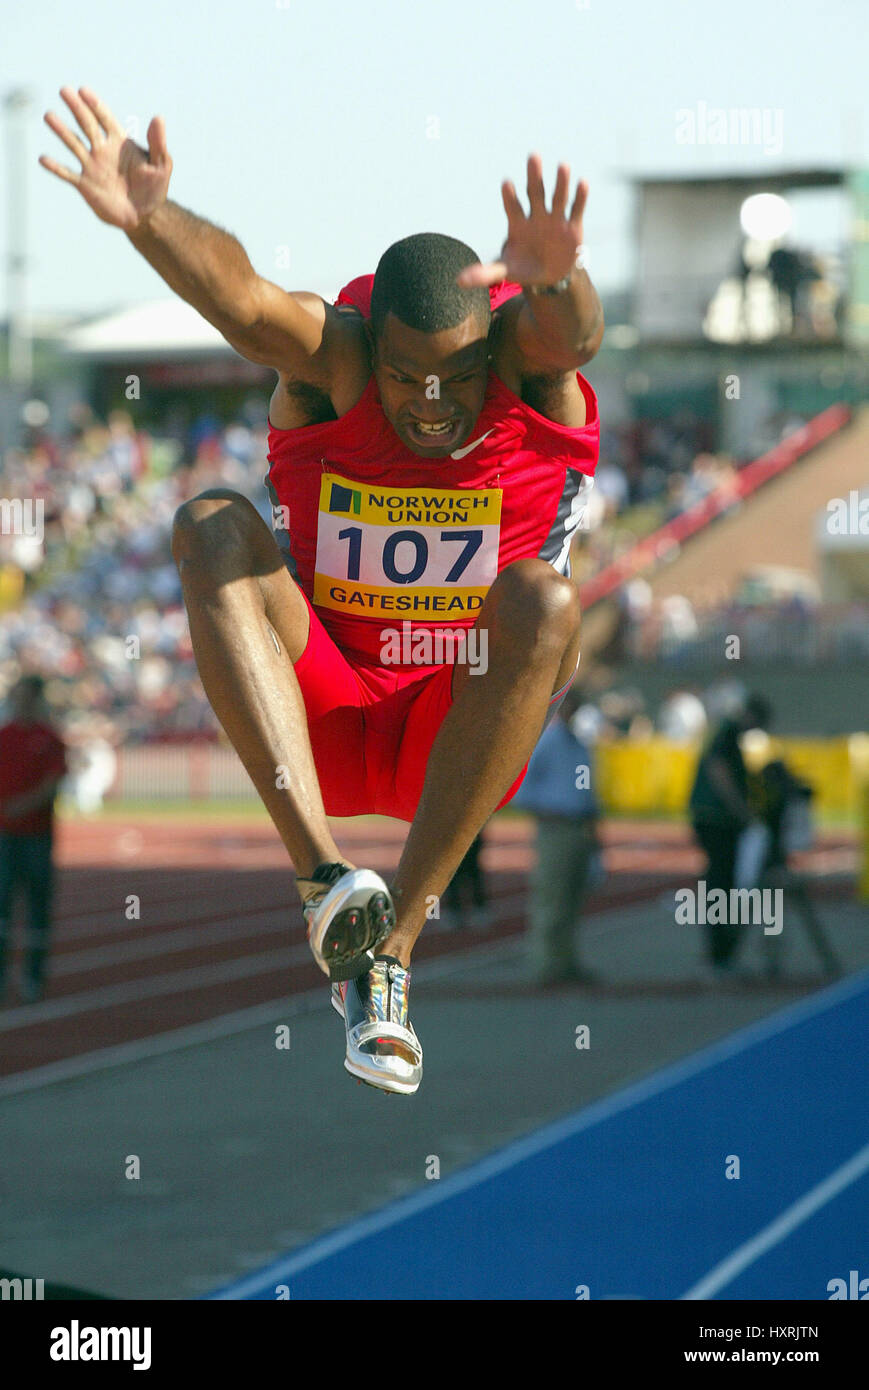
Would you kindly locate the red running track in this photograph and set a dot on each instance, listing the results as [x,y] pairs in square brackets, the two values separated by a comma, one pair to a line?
[219,929]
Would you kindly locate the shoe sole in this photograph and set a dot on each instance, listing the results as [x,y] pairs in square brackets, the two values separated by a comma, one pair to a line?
[349,941]
[409,1090]
[398,1088]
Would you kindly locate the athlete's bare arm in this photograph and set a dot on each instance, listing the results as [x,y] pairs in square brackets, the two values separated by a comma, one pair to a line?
[539,341]
[297,334]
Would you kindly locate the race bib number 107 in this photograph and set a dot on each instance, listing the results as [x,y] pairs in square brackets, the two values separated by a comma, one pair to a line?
[422,552]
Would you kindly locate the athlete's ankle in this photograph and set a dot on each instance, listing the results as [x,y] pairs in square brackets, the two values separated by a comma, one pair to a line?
[400,945]
[312,865]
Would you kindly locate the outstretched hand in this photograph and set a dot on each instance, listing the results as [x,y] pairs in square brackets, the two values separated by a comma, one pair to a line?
[123,183]
[541,247]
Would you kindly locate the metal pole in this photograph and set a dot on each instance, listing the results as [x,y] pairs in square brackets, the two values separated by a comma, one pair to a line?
[17,106]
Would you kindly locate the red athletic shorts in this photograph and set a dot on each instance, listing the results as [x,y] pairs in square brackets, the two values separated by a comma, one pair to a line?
[372,727]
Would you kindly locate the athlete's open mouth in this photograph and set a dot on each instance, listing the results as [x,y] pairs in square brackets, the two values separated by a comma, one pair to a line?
[436,436]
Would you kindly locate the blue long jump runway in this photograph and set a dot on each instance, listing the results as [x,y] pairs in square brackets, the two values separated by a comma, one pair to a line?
[630,1197]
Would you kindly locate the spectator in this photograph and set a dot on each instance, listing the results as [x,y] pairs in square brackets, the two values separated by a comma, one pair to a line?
[720,811]
[93,767]
[558,792]
[32,764]
[468,884]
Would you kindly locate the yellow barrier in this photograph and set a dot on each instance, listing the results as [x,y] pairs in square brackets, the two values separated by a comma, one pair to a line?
[645,778]
[654,777]
[863,885]
[11,587]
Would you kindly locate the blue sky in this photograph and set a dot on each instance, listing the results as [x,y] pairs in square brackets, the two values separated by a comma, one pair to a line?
[321,130]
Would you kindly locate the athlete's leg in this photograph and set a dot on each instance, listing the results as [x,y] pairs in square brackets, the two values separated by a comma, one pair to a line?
[531,618]
[249,624]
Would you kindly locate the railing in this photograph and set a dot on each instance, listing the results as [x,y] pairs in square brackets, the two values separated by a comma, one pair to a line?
[645,777]
[180,772]
[665,542]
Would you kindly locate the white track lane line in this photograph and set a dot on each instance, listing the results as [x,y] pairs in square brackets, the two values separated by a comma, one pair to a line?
[778,1230]
[153,987]
[242,1020]
[168,941]
[170,982]
[125,1054]
[546,1138]
[194,977]
[257,1016]
[100,925]
[224,1026]
[170,938]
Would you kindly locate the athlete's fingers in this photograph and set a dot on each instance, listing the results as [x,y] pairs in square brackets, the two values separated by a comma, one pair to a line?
[562,188]
[105,117]
[579,203]
[62,172]
[512,206]
[473,275]
[84,117]
[72,142]
[158,150]
[536,191]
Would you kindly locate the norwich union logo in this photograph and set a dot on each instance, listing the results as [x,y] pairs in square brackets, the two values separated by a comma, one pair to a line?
[344,499]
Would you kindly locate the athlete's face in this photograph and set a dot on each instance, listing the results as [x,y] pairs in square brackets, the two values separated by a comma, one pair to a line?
[432,385]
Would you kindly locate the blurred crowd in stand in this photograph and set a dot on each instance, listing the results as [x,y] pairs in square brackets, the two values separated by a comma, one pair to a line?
[776,616]
[91,599]
[94,603]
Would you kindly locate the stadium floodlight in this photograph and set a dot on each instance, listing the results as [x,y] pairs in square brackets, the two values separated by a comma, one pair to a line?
[766,216]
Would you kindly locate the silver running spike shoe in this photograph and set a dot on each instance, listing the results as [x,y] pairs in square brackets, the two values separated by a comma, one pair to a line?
[382,1048]
[348,913]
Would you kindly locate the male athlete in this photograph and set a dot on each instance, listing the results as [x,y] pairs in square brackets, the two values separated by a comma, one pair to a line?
[431,442]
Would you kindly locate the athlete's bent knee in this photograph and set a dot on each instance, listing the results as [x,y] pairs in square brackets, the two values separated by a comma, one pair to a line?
[212,522]
[532,596]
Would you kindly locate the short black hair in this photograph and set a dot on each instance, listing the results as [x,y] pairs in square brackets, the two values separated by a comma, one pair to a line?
[416,280]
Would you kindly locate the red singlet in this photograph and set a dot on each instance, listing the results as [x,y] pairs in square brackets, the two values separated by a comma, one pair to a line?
[386,545]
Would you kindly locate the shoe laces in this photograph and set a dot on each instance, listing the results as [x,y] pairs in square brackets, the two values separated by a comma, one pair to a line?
[315,888]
